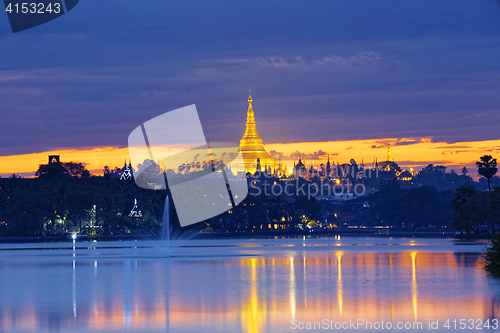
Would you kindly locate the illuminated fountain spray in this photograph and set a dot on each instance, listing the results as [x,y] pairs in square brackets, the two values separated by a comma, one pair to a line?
[171,241]
[166,223]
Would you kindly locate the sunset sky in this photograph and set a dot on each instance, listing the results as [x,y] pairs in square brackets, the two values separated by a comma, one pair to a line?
[407,153]
[333,77]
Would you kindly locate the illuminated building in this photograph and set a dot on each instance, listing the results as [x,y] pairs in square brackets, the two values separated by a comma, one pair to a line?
[126,173]
[135,212]
[405,175]
[251,145]
[390,165]
[54,159]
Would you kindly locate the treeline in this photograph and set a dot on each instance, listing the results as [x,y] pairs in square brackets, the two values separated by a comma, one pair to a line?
[418,208]
[466,209]
[58,201]
[65,198]
[474,209]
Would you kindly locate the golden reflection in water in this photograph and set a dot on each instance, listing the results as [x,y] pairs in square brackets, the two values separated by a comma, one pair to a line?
[305,283]
[339,283]
[110,309]
[391,272]
[253,311]
[292,288]
[414,284]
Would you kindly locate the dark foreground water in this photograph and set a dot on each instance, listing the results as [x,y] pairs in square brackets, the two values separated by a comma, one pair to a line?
[270,285]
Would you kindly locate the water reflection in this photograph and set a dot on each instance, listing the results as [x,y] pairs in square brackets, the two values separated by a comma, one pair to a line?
[414,284]
[253,311]
[242,294]
[339,282]
[292,289]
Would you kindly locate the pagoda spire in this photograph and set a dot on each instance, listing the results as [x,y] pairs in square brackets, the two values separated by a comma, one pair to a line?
[251,128]
[389,152]
[251,145]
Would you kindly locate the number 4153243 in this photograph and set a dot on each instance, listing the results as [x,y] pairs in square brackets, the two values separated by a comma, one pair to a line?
[477,324]
[33,8]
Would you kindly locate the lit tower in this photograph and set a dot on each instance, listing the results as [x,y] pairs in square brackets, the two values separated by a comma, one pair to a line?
[328,167]
[251,145]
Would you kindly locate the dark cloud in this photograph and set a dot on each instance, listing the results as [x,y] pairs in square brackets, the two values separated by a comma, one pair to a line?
[451,152]
[296,155]
[407,142]
[457,146]
[410,163]
[399,142]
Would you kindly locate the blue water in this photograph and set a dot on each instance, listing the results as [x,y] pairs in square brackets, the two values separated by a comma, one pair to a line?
[254,285]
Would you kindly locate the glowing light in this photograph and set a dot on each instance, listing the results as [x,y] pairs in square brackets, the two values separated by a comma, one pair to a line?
[253,311]
[414,293]
[292,289]
[339,283]
[73,236]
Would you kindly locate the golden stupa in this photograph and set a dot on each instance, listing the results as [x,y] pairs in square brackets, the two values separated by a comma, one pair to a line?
[251,145]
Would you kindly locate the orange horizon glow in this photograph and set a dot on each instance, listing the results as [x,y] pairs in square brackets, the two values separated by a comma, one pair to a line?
[415,152]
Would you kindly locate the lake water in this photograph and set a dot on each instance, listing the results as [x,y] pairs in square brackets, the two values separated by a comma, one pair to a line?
[254,285]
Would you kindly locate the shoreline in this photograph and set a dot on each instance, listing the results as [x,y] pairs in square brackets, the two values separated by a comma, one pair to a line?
[381,233]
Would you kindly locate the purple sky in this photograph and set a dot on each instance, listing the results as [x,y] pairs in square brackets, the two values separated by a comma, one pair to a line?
[318,70]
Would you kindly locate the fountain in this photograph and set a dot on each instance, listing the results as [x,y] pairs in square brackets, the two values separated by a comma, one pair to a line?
[166,221]
[171,241]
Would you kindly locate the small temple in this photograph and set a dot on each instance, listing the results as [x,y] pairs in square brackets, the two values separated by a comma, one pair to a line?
[254,154]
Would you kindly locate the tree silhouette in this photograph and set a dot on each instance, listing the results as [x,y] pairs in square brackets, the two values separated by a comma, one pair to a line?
[468,209]
[487,168]
[52,172]
[492,256]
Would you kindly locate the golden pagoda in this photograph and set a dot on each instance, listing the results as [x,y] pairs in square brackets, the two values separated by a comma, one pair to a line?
[251,145]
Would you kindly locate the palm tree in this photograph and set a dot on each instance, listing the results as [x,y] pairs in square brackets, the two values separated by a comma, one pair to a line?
[487,168]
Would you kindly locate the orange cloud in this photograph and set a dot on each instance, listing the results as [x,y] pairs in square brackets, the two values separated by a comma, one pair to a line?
[95,158]
[416,152]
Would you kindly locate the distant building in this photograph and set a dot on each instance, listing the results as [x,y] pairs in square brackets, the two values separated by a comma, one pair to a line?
[300,169]
[328,167]
[405,175]
[126,173]
[135,212]
[54,159]
[389,165]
